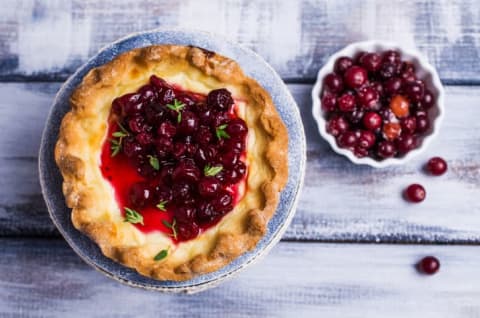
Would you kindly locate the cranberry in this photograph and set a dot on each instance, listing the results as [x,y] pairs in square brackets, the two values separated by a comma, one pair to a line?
[158,83]
[428,99]
[237,128]
[356,116]
[164,146]
[366,139]
[423,124]
[405,143]
[387,70]
[337,125]
[205,154]
[147,93]
[186,100]
[429,265]
[386,149]
[387,114]
[144,138]
[346,102]
[166,129]
[329,102]
[409,124]
[400,106]
[392,86]
[391,130]
[188,124]
[166,174]
[333,83]
[233,144]
[391,56]
[355,76]
[415,193]
[136,124]
[140,195]
[154,113]
[368,97]
[131,148]
[186,171]
[181,191]
[130,104]
[372,121]
[166,96]
[378,86]
[185,213]
[241,169]
[437,166]
[163,193]
[223,202]
[208,186]
[371,62]
[187,231]
[179,149]
[342,64]
[221,99]
[229,159]
[203,135]
[206,212]
[414,91]
[347,139]
[360,152]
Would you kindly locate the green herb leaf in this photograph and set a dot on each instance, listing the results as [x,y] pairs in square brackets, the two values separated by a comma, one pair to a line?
[172,226]
[210,171]
[161,205]
[133,216]
[221,133]
[119,134]
[161,255]
[176,106]
[154,162]
[115,146]
[122,128]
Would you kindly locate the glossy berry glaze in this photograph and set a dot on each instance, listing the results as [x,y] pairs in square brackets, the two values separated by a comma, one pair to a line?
[175,158]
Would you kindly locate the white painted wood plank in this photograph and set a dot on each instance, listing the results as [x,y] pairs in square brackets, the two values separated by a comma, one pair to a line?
[44,278]
[339,202]
[49,39]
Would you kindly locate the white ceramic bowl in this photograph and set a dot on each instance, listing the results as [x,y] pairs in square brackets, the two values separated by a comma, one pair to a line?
[424,71]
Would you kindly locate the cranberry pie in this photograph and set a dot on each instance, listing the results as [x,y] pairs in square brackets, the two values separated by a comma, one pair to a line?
[173,160]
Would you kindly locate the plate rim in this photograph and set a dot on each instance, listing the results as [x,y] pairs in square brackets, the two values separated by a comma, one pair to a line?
[216,280]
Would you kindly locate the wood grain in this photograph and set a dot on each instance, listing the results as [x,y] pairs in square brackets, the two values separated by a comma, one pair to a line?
[339,202]
[296,279]
[296,37]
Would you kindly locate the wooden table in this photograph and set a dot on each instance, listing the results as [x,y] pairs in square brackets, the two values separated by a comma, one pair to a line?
[326,264]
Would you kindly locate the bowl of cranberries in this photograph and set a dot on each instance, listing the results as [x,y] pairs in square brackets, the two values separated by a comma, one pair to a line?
[377,103]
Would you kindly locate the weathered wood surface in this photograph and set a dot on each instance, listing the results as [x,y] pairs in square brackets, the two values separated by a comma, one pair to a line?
[339,202]
[47,40]
[40,278]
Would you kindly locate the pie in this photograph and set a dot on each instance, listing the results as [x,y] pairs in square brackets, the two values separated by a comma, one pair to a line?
[173,160]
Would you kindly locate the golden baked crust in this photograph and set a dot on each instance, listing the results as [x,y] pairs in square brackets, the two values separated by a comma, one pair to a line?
[94,209]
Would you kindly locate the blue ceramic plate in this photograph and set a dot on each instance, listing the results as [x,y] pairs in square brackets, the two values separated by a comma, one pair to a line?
[254,66]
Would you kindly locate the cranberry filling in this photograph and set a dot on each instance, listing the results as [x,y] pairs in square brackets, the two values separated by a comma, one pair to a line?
[380,93]
[175,159]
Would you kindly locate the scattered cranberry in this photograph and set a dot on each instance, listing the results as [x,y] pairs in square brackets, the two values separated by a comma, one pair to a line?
[405,143]
[423,124]
[355,76]
[371,61]
[429,265]
[437,166]
[368,97]
[415,193]
[366,139]
[409,125]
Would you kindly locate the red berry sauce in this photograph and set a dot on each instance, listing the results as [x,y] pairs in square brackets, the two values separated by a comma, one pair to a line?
[177,158]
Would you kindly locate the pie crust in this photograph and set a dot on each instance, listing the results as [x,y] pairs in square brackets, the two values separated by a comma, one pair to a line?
[95,211]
